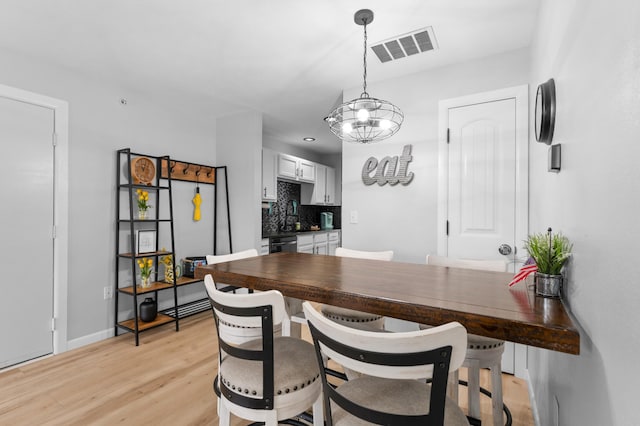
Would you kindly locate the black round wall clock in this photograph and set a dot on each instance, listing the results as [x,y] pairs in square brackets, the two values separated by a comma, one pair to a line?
[545,117]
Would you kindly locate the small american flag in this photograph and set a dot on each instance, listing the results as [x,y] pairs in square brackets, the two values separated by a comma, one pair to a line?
[528,268]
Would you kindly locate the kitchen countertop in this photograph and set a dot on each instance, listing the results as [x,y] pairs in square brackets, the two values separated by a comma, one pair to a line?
[294,233]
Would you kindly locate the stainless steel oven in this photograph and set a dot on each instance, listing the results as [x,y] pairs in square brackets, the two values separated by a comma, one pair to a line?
[280,244]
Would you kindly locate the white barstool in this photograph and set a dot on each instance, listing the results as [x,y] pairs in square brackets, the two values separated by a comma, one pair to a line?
[350,317]
[390,387]
[212,259]
[482,352]
[266,378]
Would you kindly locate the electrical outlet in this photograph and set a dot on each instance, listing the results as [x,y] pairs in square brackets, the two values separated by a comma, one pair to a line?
[108,292]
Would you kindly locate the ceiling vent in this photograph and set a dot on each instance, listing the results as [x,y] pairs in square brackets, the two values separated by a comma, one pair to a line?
[422,40]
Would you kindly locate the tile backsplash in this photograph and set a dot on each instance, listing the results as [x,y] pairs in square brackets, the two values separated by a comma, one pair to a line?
[282,215]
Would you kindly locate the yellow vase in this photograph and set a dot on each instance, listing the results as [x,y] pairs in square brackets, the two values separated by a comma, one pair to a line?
[168,274]
[142,214]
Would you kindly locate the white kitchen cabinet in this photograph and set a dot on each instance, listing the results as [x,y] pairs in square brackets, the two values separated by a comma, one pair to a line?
[320,242]
[330,186]
[305,243]
[269,178]
[323,192]
[306,249]
[319,192]
[334,242]
[307,171]
[294,168]
[321,248]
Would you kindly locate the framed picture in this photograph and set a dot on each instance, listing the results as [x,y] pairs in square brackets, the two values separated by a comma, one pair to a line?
[145,241]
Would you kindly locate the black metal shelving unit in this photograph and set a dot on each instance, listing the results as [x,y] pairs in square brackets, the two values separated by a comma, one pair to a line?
[162,184]
[134,291]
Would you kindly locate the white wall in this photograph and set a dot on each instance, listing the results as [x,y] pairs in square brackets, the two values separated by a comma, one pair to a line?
[296,150]
[99,125]
[592,50]
[239,139]
[403,218]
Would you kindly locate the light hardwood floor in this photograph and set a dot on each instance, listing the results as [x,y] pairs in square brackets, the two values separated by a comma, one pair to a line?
[164,381]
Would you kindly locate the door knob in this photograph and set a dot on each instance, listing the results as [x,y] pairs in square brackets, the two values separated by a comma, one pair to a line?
[505,249]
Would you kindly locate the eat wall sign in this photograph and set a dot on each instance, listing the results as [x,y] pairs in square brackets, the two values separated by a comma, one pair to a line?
[391,170]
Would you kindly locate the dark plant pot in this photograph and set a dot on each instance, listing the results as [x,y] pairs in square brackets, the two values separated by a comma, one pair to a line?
[548,285]
[148,310]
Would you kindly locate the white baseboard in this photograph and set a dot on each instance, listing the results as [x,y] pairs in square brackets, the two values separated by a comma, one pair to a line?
[532,399]
[91,338]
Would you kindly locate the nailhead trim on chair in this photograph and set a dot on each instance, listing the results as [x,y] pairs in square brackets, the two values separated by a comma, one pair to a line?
[485,346]
[341,318]
[278,391]
[234,325]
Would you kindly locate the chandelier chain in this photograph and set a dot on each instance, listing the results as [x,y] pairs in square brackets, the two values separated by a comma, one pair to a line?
[364,85]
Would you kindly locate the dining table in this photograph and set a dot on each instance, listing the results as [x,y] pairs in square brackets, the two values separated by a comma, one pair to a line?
[482,301]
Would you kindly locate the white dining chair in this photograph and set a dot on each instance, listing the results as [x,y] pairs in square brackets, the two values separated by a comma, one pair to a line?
[244,254]
[219,258]
[402,376]
[266,378]
[350,317]
[482,352]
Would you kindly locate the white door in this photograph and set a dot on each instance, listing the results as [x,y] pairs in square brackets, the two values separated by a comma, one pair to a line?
[482,180]
[26,252]
[483,188]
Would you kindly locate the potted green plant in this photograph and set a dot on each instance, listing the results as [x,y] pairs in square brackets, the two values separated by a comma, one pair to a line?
[550,252]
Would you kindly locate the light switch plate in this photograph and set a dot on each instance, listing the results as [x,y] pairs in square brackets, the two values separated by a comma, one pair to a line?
[555,158]
[353,217]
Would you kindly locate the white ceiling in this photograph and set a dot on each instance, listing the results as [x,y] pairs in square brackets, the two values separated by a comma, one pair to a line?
[289,59]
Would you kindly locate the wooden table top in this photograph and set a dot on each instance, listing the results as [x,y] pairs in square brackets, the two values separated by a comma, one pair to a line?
[479,300]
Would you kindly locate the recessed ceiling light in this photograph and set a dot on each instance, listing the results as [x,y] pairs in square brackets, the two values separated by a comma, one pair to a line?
[308,139]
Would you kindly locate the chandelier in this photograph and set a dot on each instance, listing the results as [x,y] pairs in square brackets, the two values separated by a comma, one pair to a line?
[365,119]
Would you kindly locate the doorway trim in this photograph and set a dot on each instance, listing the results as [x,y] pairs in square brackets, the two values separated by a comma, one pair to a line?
[521,96]
[60,110]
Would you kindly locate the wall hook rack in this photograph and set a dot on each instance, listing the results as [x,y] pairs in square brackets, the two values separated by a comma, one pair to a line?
[186,171]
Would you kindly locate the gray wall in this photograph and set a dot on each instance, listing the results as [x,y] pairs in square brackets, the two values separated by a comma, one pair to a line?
[403,218]
[99,125]
[239,139]
[592,50]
